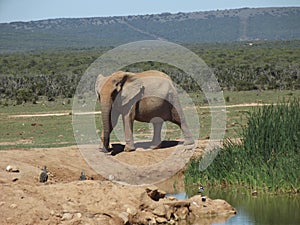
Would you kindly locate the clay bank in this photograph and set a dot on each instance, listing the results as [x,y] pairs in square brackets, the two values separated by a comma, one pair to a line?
[64,199]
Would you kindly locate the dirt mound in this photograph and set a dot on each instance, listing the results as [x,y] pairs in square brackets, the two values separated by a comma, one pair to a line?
[63,199]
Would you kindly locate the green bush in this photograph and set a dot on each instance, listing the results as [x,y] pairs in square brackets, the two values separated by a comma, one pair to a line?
[25,95]
[267,157]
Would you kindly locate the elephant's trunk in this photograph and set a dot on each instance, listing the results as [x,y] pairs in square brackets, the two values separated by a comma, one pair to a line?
[107,127]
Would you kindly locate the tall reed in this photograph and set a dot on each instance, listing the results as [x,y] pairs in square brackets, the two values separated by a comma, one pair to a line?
[268,156]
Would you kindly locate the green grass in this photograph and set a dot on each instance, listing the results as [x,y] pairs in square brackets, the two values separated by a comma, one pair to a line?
[268,156]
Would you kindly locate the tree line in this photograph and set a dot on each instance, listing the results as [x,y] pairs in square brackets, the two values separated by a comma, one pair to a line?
[237,66]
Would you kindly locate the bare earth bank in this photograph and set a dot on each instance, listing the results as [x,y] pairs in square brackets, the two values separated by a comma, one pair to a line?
[63,199]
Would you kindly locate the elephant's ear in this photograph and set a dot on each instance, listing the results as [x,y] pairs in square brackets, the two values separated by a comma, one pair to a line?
[99,84]
[132,89]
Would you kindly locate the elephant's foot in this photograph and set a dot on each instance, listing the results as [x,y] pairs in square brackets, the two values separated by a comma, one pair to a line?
[155,146]
[189,143]
[129,148]
[103,149]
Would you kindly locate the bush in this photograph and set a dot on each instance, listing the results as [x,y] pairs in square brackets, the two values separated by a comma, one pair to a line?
[268,156]
[25,95]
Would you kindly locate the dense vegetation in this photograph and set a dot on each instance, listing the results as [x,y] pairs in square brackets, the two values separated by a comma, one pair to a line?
[196,27]
[267,157]
[238,66]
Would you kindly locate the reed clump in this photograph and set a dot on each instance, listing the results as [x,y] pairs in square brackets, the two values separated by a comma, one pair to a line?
[266,158]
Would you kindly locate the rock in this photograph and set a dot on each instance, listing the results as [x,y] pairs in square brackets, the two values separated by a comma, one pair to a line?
[154,193]
[179,204]
[12,168]
[67,216]
[182,213]
[161,220]
[210,207]
[131,210]
[13,206]
[160,210]
[124,217]
[144,218]
[78,215]
[170,212]
[172,198]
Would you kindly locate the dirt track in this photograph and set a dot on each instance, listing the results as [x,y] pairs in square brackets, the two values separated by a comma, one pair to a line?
[66,200]
[98,112]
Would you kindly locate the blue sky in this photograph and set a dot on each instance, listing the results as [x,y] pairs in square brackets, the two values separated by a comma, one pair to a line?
[26,10]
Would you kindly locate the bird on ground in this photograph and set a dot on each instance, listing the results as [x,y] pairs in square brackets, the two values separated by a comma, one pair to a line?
[82,176]
[200,189]
[44,175]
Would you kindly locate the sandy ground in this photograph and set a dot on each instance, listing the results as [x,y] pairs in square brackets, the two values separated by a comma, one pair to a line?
[64,199]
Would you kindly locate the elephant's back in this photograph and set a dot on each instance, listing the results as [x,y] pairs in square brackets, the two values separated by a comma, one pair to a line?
[153,73]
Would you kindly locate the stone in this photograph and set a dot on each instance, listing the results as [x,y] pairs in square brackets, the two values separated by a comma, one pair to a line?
[131,210]
[12,168]
[154,193]
[67,216]
[13,206]
[172,198]
[161,220]
[170,212]
[78,215]
[145,217]
[124,217]
[182,213]
[160,210]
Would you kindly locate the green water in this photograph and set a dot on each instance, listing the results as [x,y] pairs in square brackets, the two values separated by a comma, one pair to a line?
[263,209]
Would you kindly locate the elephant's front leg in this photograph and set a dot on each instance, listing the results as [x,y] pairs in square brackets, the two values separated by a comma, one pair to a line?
[128,130]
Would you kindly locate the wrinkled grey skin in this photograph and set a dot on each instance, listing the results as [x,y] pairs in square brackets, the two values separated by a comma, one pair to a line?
[147,97]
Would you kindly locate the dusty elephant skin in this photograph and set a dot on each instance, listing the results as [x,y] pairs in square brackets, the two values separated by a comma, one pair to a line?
[148,96]
[65,199]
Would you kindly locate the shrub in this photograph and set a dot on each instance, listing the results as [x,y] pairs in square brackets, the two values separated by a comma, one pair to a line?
[267,157]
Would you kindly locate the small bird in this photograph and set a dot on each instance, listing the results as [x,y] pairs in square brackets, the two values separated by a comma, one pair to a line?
[44,175]
[82,176]
[200,189]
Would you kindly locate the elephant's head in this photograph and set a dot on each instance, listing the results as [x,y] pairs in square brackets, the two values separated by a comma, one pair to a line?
[115,93]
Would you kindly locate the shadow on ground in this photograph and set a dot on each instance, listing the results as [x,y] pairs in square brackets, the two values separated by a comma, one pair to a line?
[118,148]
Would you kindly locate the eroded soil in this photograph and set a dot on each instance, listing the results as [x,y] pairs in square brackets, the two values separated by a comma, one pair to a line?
[64,199]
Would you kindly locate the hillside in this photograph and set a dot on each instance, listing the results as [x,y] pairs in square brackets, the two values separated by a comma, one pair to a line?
[196,27]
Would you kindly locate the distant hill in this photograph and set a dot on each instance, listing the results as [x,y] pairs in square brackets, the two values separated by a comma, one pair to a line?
[195,27]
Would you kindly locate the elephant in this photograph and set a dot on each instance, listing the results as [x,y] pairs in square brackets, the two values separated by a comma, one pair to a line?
[148,96]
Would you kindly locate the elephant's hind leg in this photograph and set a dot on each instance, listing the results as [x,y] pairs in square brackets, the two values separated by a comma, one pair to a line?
[180,121]
[156,140]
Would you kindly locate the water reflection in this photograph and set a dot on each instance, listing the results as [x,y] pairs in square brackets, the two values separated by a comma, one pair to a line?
[263,209]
